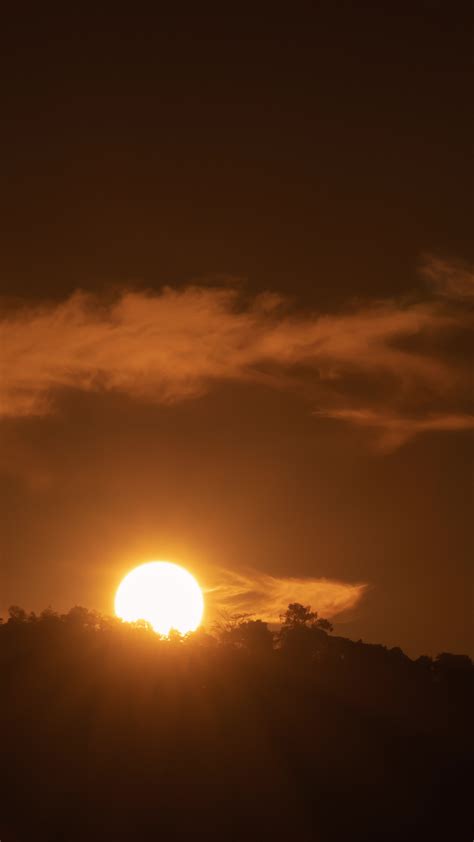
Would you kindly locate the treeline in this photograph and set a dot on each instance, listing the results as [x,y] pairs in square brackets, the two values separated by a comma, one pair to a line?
[239,732]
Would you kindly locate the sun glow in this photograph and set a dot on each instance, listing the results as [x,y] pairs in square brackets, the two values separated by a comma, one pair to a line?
[163,594]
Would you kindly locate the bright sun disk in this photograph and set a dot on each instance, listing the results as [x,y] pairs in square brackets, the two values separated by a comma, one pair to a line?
[163,594]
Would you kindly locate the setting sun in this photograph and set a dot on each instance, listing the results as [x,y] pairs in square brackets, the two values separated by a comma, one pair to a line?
[164,594]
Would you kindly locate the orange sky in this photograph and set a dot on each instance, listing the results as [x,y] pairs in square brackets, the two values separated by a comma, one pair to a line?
[236,314]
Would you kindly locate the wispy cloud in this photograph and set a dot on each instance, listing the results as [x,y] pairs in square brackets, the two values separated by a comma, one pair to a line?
[396,430]
[177,344]
[452,279]
[267,597]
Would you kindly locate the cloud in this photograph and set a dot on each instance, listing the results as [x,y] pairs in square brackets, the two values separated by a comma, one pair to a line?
[267,597]
[175,345]
[396,430]
[452,279]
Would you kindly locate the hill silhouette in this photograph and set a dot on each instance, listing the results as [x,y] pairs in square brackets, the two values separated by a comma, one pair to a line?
[109,732]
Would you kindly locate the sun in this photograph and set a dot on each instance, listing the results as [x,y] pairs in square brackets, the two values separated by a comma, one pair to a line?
[163,594]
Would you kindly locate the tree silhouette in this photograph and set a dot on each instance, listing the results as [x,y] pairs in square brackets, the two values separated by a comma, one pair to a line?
[16,614]
[303,635]
[252,635]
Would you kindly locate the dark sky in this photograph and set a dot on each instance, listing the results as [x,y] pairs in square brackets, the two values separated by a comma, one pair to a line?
[297,404]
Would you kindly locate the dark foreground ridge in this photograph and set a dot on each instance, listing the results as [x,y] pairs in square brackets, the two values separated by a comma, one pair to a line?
[110,733]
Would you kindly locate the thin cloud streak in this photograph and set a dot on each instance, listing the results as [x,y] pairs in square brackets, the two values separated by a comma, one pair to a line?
[451,279]
[396,430]
[267,597]
[178,344]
